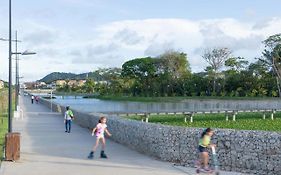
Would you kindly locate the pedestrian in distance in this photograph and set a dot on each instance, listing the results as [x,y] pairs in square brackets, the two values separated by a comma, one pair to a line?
[37,99]
[204,145]
[68,117]
[99,131]
[32,99]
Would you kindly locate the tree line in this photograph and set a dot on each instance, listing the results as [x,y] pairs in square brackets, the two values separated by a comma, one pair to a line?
[170,75]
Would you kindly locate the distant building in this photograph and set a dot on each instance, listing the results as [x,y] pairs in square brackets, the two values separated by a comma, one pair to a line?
[71,83]
[80,82]
[40,84]
[60,82]
[101,82]
[2,84]
[50,86]
[30,85]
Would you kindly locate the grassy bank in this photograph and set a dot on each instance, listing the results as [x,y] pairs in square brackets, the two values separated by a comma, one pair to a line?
[3,131]
[3,119]
[246,121]
[177,99]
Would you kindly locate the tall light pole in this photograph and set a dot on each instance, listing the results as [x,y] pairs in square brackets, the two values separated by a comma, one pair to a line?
[17,74]
[17,68]
[12,144]
[10,112]
[10,70]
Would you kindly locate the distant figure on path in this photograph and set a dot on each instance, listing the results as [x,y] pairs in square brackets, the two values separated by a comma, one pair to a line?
[36,99]
[204,144]
[32,99]
[68,117]
[98,131]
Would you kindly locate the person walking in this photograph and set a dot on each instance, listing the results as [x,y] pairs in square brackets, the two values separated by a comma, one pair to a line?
[32,99]
[68,117]
[99,131]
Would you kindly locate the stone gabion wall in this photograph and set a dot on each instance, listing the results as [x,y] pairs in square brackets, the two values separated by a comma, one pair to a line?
[254,152]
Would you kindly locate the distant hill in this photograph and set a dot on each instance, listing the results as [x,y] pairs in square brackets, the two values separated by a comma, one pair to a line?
[64,76]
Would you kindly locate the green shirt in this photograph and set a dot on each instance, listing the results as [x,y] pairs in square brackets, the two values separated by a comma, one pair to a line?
[68,114]
[205,141]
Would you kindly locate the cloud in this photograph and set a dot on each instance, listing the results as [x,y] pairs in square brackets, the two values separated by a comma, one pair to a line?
[129,37]
[214,36]
[155,49]
[262,24]
[56,62]
[75,53]
[101,49]
[41,36]
[48,52]
[111,44]
[99,60]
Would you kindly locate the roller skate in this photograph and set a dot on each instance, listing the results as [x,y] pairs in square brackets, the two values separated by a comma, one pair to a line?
[103,155]
[91,155]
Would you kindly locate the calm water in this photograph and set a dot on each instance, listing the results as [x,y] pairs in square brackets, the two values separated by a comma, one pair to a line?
[96,105]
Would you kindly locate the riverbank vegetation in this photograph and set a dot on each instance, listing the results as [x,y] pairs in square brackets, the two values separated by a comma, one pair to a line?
[244,121]
[3,119]
[170,75]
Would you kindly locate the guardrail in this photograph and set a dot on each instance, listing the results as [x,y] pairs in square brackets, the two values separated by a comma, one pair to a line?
[145,115]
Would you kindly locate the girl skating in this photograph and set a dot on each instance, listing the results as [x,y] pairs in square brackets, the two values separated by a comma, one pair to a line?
[98,131]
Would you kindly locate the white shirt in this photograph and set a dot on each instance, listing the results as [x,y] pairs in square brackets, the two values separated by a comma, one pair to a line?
[67,115]
[100,129]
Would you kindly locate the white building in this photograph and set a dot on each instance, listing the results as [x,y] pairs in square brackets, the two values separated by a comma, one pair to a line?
[2,84]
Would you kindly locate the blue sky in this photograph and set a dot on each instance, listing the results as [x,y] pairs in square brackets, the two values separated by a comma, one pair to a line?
[83,35]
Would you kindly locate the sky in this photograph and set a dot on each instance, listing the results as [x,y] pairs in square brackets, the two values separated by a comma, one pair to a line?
[83,35]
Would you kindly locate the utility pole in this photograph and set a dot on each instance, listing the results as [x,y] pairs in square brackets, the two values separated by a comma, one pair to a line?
[17,75]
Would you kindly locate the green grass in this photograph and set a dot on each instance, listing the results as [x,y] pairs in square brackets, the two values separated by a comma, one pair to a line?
[3,119]
[3,131]
[244,121]
[176,99]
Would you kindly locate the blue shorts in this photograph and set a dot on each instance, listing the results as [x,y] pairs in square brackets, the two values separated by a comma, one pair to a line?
[202,149]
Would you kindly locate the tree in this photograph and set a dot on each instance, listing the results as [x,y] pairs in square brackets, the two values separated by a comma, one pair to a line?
[138,68]
[142,71]
[158,76]
[271,56]
[173,68]
[108,74]
[216,59]
[236,64]
[88,87]
[176,64]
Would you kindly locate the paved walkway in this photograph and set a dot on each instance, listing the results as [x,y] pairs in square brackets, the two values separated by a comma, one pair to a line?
[47,150]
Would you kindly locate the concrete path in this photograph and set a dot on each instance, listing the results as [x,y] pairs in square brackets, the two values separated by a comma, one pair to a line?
[47,150]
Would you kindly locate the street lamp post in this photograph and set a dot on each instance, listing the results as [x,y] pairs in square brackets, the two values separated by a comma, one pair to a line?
[10,70]
[11,139]
[17,85]
[17,74]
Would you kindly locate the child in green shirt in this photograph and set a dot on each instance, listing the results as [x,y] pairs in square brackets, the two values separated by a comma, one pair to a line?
[204,144]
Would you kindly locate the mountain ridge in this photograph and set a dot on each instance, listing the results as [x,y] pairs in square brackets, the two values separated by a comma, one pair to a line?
[70,76]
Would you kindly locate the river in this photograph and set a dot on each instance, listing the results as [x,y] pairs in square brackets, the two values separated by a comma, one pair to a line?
[189,105]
